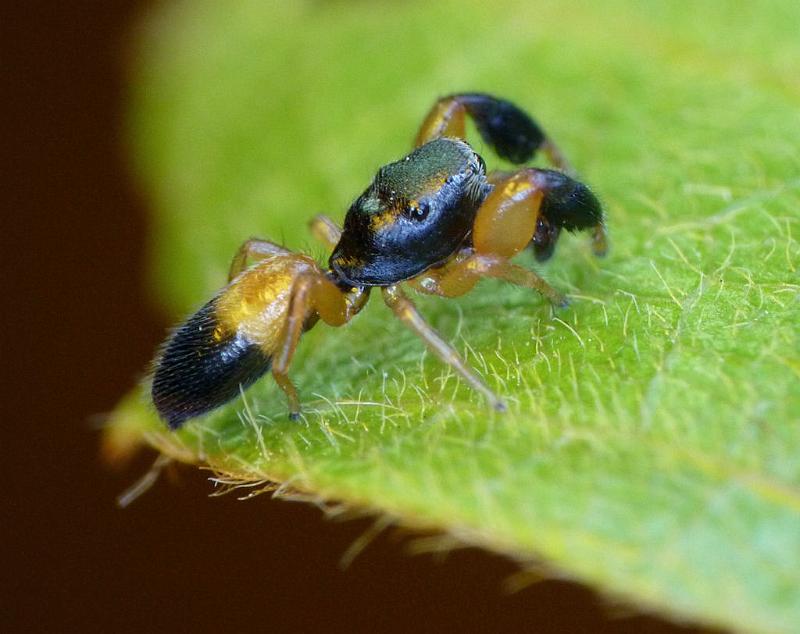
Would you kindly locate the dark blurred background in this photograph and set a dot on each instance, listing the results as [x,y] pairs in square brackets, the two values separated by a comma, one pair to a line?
[78,327]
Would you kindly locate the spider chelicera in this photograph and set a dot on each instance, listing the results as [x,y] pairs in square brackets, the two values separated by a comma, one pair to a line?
[434,221]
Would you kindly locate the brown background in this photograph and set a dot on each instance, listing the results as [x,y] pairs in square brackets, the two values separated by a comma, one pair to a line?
[77,329]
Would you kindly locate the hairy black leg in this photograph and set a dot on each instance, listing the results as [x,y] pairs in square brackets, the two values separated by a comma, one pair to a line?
[544,239]
[511,132]
[571,205]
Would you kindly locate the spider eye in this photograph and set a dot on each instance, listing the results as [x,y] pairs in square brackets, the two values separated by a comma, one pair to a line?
[418,211]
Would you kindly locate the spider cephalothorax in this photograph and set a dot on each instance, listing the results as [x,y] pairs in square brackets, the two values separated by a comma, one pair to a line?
[415,213]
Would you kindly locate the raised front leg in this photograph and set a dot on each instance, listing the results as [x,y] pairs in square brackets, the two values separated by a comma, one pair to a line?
[513,134]
[256,249]
[405,310]
[532,206]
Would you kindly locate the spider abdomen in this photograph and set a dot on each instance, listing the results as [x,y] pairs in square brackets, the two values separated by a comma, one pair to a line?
[200,370]
[228,344]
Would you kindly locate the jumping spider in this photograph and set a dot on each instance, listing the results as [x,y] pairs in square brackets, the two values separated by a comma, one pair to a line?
[434,220]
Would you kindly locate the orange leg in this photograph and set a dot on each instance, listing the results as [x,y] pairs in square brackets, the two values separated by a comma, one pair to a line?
[253,248]
[556,157]
[405,310]
[446,118]
[508,129]
[507,220]
[600,240]
[459,276]
[325,230]
[313,296]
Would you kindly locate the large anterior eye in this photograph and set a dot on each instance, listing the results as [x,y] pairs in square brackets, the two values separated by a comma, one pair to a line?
[418,210]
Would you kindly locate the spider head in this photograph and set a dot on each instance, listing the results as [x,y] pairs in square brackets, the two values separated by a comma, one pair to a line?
[414,215]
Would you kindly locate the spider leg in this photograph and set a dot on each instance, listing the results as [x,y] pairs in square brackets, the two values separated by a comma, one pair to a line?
[256,249]
[313,297]
[459,276]
[600,240]
[404,309]
[325,230]
[511,132]
[532,206]
[495,177]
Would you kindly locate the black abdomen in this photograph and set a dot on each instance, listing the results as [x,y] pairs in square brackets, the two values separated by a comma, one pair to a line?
[200,368]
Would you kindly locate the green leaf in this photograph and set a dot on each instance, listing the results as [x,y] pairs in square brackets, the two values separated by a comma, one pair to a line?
[652,449]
